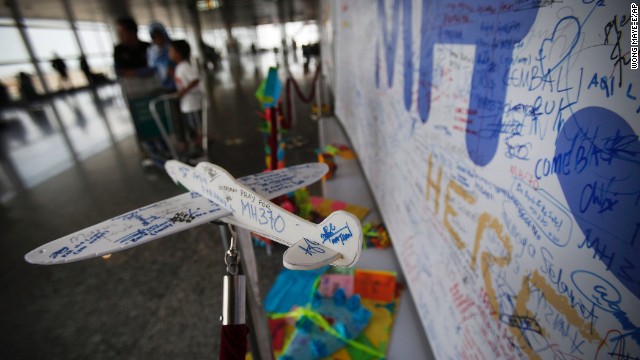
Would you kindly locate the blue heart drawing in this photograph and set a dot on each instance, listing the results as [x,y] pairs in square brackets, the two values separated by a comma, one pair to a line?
[546,48]
[598,166]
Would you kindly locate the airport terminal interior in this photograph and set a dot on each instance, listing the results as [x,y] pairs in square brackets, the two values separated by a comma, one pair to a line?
[163,300]
[416,179]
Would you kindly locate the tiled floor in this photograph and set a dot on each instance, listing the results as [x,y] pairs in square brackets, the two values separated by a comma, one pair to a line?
[157,301]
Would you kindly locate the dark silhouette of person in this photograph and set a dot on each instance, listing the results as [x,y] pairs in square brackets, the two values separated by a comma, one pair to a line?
[94,79]
[27,90]
[61,68]
[5,99]
[212,56]
[130,55]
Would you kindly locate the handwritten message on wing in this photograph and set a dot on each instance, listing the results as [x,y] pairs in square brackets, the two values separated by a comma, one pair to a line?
[501,142]
[131,229]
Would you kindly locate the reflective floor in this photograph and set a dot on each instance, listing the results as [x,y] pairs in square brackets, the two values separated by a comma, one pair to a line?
[32,140]
[157,301]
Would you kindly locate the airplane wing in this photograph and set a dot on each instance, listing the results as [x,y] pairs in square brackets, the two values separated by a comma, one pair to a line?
[276,183]
[131,229]
[165,217]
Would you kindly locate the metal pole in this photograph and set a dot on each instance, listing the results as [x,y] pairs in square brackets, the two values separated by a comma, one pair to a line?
[71,18]
[318,96]
[17,18]
[72,23]
[192,33]
[285,45]
[172,25]
[151,11]
[258,318]
[197,30]
[259,336]
[108,20]
[183,18]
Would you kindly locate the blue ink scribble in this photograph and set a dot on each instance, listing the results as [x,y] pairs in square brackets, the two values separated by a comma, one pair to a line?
[334,236]
[600,178]
[140,234]
[97,236]
[62,252]
[311,249]
[135,215]
[481,24]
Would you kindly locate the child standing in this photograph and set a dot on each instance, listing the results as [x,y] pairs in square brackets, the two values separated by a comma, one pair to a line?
[189,91]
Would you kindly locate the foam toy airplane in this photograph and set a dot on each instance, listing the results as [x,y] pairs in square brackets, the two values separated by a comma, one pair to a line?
[215,194]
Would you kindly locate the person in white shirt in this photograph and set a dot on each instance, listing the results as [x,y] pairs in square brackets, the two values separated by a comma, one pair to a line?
[189,91]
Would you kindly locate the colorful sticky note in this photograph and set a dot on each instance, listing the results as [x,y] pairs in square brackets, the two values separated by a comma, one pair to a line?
[268,91]
[329,283]
[325,207]
[292,288]
[277,329]
[375,285]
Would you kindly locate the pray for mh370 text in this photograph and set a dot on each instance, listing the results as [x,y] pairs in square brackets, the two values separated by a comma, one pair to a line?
[634,36]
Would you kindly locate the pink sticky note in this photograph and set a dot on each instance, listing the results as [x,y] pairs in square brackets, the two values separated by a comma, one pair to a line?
[316,201]
[329,283]
[338,205]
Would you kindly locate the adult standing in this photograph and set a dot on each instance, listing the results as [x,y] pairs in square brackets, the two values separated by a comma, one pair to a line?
[158,56]
[130,55]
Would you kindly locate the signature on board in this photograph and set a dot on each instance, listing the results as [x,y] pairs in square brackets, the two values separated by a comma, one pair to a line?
[311,249]
[332,235]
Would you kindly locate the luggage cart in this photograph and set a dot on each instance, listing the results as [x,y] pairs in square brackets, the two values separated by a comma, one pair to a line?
[153,127]
[157,114]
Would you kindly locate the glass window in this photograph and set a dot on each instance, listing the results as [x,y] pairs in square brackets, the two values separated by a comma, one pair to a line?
[13,47]
[47,42]
[303,32]
[6,21]
[178,33]
[95,41]
[47,23]
[102,64]
[268,36]
[216,38]
[143,33]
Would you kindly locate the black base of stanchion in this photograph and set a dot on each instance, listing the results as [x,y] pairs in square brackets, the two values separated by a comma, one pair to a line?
[233,342]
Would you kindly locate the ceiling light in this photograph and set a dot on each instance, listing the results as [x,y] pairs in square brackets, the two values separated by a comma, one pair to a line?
[206,5]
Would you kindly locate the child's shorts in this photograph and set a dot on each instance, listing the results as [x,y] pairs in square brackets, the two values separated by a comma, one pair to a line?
[194,121]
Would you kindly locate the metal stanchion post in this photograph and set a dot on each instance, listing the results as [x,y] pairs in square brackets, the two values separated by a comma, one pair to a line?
[261,342]
[259,336]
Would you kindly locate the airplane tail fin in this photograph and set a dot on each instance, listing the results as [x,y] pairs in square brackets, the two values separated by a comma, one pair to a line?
[339,244]
[308,255]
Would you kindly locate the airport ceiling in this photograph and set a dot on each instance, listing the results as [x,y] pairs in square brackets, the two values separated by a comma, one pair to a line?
[174,12]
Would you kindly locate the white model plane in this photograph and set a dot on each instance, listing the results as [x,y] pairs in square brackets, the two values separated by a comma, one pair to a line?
[215,194]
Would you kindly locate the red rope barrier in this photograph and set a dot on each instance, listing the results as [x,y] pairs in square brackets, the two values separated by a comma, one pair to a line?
[286,123]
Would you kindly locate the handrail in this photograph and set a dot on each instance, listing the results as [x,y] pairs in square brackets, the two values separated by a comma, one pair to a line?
[158,120]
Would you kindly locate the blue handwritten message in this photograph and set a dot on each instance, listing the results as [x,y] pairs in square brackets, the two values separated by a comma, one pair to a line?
[496,28]
[553,221]
[601,185]
[334,236]
[311,248]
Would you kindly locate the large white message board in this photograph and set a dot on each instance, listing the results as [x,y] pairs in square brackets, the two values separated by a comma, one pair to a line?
[500,140]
